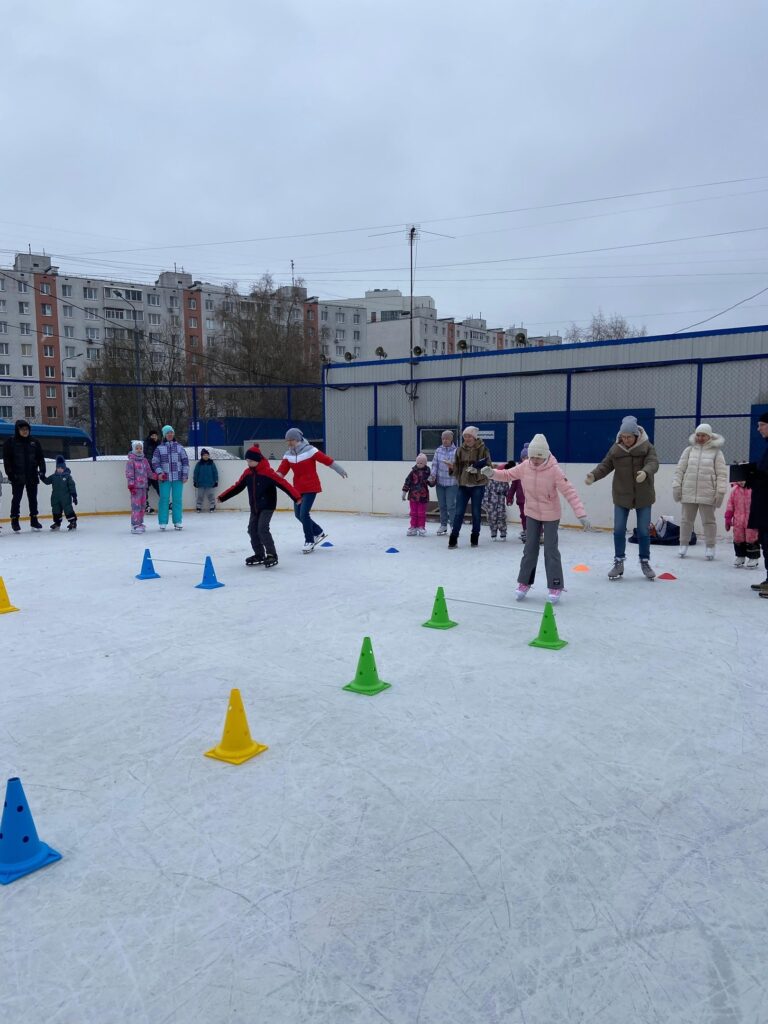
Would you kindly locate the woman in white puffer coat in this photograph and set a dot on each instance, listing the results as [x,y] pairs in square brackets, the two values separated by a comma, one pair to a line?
[700,483]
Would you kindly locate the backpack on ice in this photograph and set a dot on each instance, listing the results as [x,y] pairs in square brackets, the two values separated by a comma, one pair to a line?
[664,531]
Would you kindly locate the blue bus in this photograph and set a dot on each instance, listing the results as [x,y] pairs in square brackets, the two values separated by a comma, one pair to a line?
[71,442]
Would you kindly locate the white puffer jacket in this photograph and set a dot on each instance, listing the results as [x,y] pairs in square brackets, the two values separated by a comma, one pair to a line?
[701,477]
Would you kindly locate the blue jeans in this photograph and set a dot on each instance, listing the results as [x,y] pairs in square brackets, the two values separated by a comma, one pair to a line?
[463,498]
[446,500]
[301,510]
[620,517]
[170,490]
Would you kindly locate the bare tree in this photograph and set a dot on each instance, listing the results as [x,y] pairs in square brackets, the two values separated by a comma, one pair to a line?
[604,328]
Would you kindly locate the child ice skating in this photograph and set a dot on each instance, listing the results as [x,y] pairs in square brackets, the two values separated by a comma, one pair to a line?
[138,474]
[746,542]
[700,483]
[544,482]
[495,504]
[63,494]
[262,483]
[205,479]
[302,458]
[634,463]
[416,491]
[171,463]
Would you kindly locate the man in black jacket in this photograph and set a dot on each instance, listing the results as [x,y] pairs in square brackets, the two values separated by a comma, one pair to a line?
[23,462]
[151,441]
[758,512]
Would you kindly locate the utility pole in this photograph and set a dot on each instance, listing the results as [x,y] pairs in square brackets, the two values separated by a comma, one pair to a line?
[412,235]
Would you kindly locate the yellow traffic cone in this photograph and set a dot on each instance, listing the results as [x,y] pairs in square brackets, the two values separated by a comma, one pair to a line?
[5,604]
[237,744]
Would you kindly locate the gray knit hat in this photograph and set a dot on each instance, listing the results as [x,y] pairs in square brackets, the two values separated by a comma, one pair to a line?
[629,426]
[294,434]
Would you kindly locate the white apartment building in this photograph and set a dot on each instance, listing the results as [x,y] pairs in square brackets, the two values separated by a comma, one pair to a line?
[338,329]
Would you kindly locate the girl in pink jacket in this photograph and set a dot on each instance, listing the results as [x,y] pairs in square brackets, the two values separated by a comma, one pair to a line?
[745,541]
[544,482]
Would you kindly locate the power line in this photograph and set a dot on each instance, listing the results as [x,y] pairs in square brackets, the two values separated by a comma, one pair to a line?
[722,311]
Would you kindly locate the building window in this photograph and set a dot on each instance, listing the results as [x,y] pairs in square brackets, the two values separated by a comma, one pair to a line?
[90,293]
[209,304]
[29,412]
[52,412]
[340,318]
[114,313]
[211,339]
[23,309]
[210,325]
[6,411]
[71,372]
[340,334]
[48,351]
[192,304]
[50,392]
[4,348]
[69,332]
[132,294]
[310,332]
[5,369]
[50,371]
[356,335]
[357,352]
[69,351]
[390,314]
[22,286]
[5,390]
[356,318]
[153,299]
[46,309]
[26,350]
[193,339]
[310,314]
[323,314]
[339,350]
[72,412]
[45,288]
[3,327]
[173,301]
[175,320]
[92,353]
[92,333]
[26,370]
[29,391]
[2,305]
[67,311]
[2,284]
[66,291]
[92,314]
[48,331]
[193,321]
[155,319]
[71,392]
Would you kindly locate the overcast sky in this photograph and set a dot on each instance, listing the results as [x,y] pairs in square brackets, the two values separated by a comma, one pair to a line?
[135,132]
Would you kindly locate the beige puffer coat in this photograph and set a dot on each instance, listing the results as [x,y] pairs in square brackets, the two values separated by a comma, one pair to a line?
[701,477]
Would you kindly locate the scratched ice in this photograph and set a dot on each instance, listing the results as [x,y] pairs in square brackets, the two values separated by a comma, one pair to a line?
[507,836]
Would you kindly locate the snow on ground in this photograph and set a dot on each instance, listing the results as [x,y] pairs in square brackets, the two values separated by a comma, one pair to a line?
[507,835]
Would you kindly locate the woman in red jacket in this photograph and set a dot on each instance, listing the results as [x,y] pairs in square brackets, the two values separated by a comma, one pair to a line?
[302,458]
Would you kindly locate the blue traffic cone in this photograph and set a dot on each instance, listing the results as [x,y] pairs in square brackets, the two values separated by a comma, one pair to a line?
[21,852]
[391,551]
[147,568]
[209,581]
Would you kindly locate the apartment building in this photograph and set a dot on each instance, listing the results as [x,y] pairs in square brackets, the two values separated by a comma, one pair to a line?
[336,330]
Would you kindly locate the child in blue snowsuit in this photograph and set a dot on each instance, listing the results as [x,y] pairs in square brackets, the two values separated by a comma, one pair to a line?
[63,494]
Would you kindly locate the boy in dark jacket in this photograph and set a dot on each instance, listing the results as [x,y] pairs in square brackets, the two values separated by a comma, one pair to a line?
[63,494]
[262,483]
[24,462]
[205,479]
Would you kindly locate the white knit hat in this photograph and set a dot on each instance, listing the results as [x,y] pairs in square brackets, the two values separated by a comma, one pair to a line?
[538,447]
[704,428]
[474,431]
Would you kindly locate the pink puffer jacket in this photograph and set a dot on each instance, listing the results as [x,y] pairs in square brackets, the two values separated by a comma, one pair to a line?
[543,486]
[737,509]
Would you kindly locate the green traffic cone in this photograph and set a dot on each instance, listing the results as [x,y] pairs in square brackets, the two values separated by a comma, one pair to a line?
[548,636]
[367,679]
[440,618]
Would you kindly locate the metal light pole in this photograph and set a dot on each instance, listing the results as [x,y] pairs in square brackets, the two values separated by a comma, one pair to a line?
[137,357]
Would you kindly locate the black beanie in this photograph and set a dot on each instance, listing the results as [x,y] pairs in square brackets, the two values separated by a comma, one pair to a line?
[254,453]
[763,417]
[60,461]
[204,451]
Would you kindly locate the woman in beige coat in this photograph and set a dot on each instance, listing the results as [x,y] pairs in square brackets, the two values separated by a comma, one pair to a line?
[700,483]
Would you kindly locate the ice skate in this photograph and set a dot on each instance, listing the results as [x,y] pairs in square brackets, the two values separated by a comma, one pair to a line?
[522,591]
[647,571]
[554,595]
[762,587]
[682,550]
[421,531]
[198,510]
[15,524]
[493,536]
[442,530]
[453,540]
[709,554]
[522,536]
[502,536]
[35,523]
[411,531]
[254,560]
[309,547]
[474,539]
[178,526]
[739,562]
[55,526]
[269,561]
[163,527]
[752,563]
[618,569]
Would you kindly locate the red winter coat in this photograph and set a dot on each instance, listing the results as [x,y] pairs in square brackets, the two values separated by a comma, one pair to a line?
[737,513]
[261,482]
[303,464]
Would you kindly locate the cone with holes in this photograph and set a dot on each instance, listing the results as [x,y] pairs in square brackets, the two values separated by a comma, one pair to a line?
[440,618]
[5,603]
[548,636]
[367,680]
[237,745]
[21,852]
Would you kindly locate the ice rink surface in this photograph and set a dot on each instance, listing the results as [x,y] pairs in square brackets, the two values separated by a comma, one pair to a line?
[506,836]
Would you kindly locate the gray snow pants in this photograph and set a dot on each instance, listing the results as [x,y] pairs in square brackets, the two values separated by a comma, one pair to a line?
[552,562]
[206,496]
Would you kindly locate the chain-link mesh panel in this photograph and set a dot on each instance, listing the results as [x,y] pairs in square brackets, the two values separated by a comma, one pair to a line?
[734,387]
[348,414]
[499,398]
[398,406]
[670,390]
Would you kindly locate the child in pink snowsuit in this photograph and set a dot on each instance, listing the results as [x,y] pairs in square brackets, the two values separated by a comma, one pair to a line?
[138,473]
[745,542]
[416,491]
